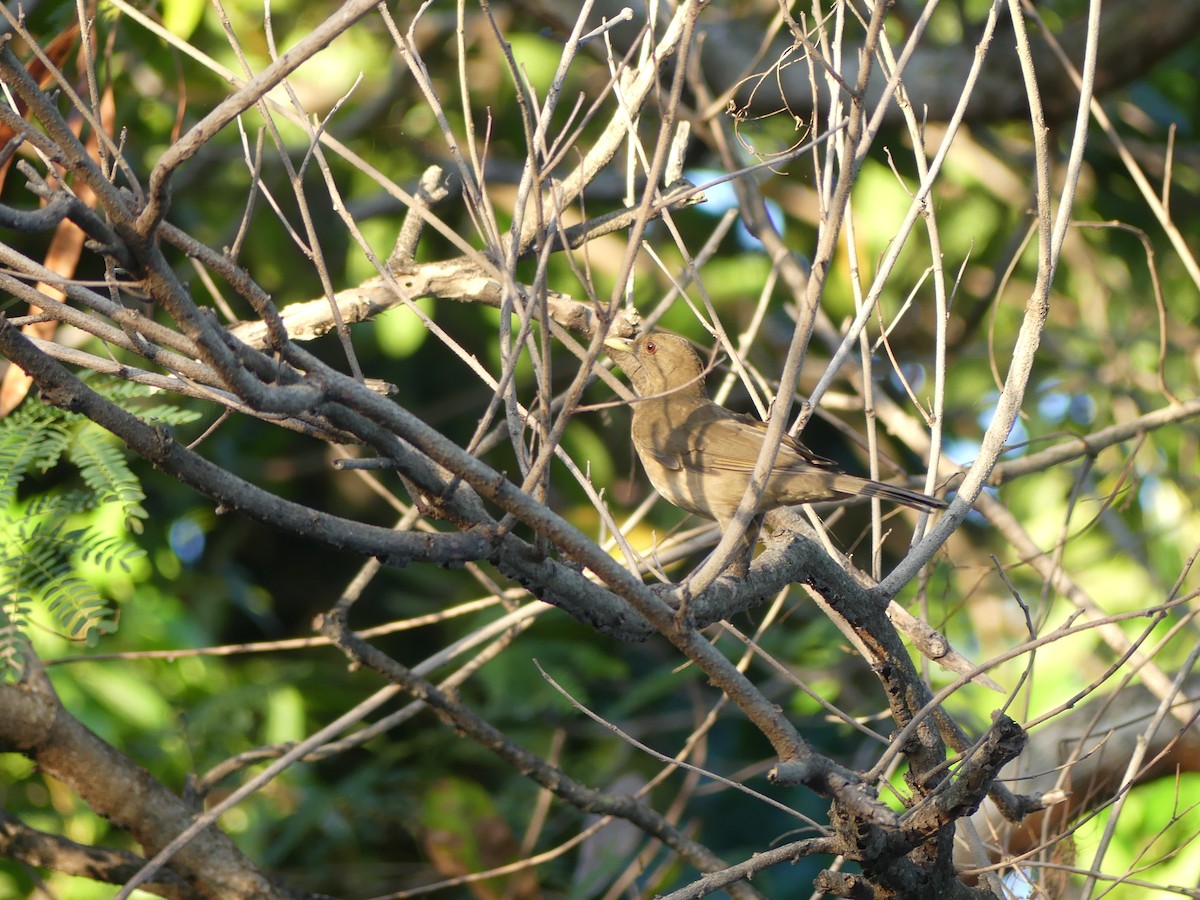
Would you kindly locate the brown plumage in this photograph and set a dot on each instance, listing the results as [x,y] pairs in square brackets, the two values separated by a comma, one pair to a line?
[700,456]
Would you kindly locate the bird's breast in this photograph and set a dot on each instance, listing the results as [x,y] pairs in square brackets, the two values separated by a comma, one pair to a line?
[671,448]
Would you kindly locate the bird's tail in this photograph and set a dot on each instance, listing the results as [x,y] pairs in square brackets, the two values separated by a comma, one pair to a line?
[852,484]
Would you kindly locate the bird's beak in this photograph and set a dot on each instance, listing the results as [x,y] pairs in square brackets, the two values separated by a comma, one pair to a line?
[624,345]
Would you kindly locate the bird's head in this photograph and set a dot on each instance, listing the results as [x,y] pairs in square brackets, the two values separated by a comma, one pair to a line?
[658,364]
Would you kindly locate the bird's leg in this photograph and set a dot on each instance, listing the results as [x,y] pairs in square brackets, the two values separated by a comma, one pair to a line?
[681,614]
[739,566]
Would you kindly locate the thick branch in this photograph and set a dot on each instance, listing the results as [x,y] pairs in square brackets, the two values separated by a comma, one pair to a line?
[59,854]
[37,725]
[453,279]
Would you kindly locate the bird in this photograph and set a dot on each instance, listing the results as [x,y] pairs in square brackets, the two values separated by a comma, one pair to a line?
[700,455]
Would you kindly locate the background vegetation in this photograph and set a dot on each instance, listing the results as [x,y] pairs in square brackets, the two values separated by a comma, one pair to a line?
[220,594]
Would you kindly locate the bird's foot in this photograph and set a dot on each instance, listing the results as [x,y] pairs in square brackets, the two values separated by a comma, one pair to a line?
[682,620]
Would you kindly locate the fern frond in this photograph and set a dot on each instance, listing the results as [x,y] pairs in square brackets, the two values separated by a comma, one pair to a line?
[108,550]
[104,469]
[44,557]
[58,503]
[115,389]
[141,400]
[29,441]
[166,414]
[12,649]
[79,608]
[40,551]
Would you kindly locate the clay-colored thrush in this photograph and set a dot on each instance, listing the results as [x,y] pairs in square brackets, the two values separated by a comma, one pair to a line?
[700,456]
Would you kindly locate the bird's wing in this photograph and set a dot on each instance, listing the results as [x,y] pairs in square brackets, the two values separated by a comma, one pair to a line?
[716,439]
[667,459]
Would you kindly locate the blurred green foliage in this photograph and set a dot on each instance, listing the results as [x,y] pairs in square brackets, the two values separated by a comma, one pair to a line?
[366,817]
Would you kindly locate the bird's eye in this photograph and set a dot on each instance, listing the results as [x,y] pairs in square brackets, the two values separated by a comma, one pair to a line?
[651,346]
